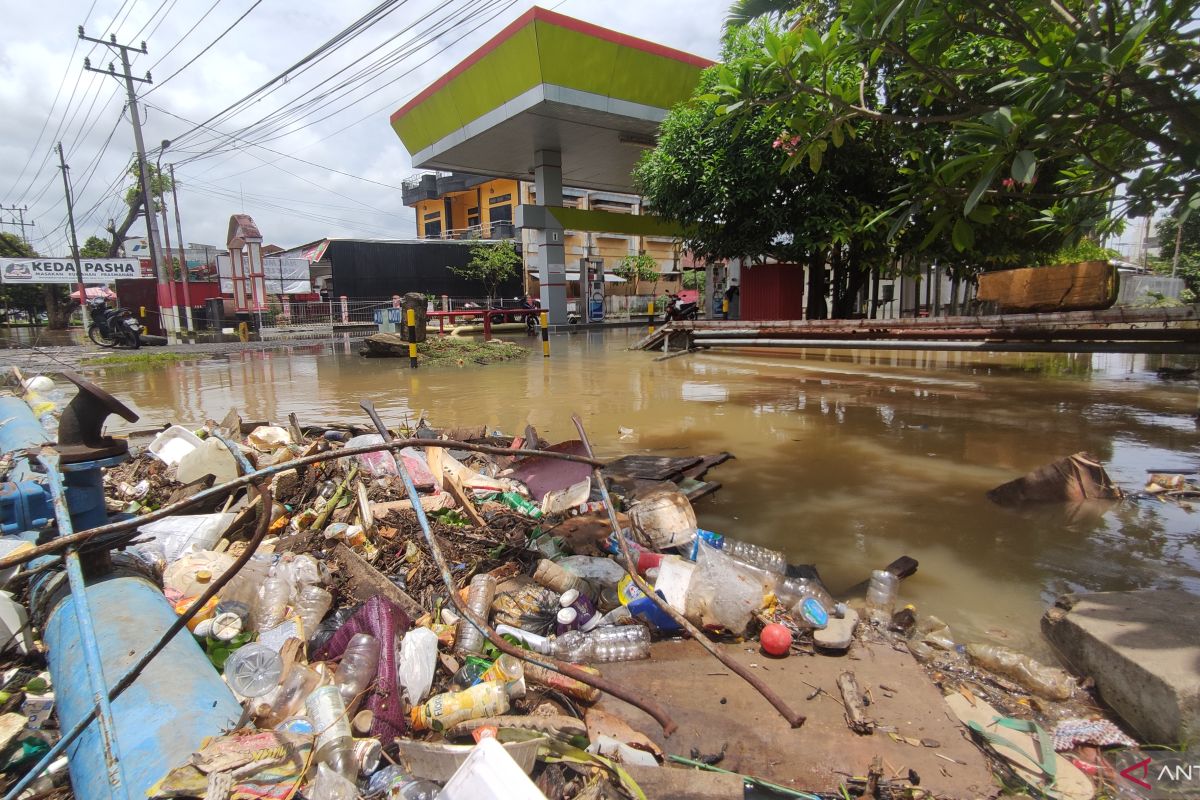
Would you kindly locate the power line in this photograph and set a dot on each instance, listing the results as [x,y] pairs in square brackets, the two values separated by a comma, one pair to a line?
[207,47]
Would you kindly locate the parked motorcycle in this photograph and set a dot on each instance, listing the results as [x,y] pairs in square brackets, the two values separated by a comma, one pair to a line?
[113,327]
[678,310]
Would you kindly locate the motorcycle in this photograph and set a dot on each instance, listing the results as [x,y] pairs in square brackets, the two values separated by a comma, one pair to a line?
[678,310]
[113,327]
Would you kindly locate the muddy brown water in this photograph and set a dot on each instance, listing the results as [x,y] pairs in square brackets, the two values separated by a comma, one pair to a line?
[845,459]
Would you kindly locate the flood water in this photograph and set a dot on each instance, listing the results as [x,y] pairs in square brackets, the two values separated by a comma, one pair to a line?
[844,459]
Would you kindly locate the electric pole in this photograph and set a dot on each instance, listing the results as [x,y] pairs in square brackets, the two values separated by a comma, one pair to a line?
[166,290]
[187,300]
[19,221]
[62,164]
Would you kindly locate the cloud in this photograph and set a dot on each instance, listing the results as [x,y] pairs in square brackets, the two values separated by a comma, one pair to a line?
[292,202]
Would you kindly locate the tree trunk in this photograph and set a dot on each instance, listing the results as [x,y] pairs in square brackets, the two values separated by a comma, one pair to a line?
[837,262]
[816,285]
[850,287]
[58,312]
[121,231]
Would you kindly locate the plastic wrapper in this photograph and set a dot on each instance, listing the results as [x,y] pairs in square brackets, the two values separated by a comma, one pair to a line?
[725,592]
[598,571]
[1048,682]
[379,464]
[526,605]
[417,664]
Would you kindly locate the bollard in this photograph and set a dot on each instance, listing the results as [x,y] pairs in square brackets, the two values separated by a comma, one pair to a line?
[725,307]
[412,338]
[244,331]
[345,309]
[142,312]
[544,318]
[650,312]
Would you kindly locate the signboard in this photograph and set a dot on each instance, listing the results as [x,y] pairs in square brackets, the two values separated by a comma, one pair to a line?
[281,275]
[62,270]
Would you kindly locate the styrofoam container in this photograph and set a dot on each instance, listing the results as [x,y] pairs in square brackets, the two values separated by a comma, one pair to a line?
[173,444]
[490,773]
[438,761]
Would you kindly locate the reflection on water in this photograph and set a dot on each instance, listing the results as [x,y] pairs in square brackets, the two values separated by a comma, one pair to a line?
[844,459]
[40,337]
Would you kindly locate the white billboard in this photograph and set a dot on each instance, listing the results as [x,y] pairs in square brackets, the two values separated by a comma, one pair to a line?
[62,270]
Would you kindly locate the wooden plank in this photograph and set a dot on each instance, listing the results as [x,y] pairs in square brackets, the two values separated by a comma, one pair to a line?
[1086,286]
[366,582]
[459,494]
[651,468]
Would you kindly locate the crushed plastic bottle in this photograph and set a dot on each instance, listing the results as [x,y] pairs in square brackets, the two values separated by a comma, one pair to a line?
[881,596]
[272,603]
[312,605]
[468,638]
[1045,681]
[335,744]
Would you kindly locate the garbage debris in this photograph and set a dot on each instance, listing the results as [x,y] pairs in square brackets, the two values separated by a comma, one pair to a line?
[1068,480]
[439,616]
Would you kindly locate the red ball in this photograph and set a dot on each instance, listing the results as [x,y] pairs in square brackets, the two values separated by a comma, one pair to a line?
[776,639]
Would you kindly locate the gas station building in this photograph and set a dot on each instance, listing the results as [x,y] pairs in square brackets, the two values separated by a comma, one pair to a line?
[561,110]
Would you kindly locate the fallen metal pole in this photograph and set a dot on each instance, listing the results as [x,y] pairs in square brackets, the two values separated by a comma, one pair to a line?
[985,347]
[87,633]
[793,718]
[63,542]
[652,708]
[126,680]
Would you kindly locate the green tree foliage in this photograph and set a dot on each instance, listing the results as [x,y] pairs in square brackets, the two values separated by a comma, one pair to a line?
[637,268]
[491,264]
[1063,105]
[160,183]
[94,247]
[1188,267]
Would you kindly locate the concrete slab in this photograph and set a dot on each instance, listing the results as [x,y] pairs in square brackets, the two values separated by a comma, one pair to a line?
[714,709]
[1143,650]
[686,784]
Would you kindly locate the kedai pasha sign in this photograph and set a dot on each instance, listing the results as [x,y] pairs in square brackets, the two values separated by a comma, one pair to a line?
[62,270]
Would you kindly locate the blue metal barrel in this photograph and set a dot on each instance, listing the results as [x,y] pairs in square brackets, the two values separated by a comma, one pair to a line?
[177,701]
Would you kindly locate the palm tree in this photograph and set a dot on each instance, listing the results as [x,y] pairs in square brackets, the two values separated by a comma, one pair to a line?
[743,12]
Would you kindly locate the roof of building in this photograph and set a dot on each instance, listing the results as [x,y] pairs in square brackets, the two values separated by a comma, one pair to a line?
[549,82]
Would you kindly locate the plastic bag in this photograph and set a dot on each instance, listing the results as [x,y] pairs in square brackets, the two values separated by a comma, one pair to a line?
[1048,682]
[599,571]
[179,533]
[418,661]
[379,464]
[725,592]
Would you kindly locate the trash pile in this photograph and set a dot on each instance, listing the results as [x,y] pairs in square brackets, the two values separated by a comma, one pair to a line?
[428,613]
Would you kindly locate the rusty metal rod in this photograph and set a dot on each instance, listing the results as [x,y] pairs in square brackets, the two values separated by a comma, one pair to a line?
[793,718]
[63,542]
[126,680]
[635,699]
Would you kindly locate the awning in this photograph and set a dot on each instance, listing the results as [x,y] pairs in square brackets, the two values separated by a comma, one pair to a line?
[574,276]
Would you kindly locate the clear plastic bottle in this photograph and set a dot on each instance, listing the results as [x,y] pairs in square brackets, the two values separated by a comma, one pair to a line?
[288,699]
[615,643]
[358,667]
[881,596]
[312,605]
[756,555]
[792,591]
[335,743]
[271,606]
[552,576]
[468,638]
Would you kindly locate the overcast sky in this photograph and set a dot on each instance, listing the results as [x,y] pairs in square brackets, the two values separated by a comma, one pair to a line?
[293,202]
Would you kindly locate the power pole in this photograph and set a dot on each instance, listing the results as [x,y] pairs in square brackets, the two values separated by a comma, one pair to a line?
[166,292]
[20,221]
[187,299]
[62,164]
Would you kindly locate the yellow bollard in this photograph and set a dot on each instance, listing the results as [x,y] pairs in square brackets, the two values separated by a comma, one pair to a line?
[725,307]
[650,311]
[243,331]
[412,338]
[544,319]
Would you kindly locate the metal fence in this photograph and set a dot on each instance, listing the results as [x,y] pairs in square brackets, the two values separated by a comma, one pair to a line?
[294,320]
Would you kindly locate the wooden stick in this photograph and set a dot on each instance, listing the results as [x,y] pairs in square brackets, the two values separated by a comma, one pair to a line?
[856,713]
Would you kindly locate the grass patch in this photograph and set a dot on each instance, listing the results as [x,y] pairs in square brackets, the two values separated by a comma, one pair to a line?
[447,351]
[139,359]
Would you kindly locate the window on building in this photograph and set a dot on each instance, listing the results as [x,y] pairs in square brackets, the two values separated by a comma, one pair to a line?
[433,230]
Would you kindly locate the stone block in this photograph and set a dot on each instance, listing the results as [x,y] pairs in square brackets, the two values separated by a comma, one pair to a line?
[1142,648]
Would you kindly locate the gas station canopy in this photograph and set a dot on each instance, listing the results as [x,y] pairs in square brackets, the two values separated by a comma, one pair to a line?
[549,82]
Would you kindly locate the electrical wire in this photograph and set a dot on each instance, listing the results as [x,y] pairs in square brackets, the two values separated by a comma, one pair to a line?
[207,47]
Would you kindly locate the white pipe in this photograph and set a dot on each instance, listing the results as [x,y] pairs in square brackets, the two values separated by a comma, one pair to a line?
[987,347]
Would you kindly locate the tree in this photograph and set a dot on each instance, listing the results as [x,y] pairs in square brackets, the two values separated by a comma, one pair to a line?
[1188,266]
[637,268]
[94,247]
[1064,105]
[492,263]
[160,182]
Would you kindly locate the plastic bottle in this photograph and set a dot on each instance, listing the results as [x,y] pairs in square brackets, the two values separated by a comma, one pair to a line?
[272,603]
[1048,682]
[791,591]
[470,673]
[566,620]
[881,596]
[552,576]
[616,643]
[312,605]
[358,666]
[536,643]
[288,700]
[585,611]
[509,672]
[568,686]
[468,638]
[444,711]
[756,555]
[335,744]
